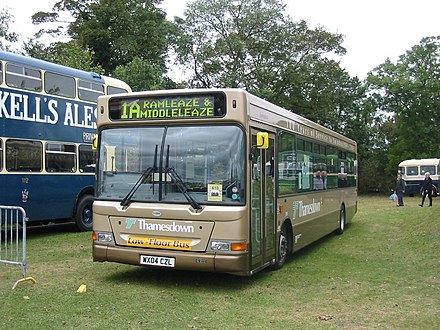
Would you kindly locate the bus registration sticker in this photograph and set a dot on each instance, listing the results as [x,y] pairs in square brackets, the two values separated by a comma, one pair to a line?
[157,261]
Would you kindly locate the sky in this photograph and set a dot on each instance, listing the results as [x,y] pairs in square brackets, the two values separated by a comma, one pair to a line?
[373,30]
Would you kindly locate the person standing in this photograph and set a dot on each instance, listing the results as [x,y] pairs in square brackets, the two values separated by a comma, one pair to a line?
[427,189]
[400,189]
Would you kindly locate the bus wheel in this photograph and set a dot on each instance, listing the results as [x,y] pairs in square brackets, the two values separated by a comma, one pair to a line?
[83,214]
[283,248]
[342,221]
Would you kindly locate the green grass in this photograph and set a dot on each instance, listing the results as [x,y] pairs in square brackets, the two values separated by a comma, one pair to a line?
[383,272]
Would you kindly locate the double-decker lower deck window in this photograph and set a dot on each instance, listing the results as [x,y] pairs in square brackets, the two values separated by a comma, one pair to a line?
[87,159]
[60,157]
[24,156]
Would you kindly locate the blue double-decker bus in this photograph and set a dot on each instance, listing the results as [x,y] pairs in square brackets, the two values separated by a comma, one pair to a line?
[47,123]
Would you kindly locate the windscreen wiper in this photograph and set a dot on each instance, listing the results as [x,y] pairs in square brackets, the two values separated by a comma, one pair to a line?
[143,178]
[182,188]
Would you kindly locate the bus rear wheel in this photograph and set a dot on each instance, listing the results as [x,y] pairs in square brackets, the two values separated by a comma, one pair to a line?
[342,221]
[84,213]
[283,248]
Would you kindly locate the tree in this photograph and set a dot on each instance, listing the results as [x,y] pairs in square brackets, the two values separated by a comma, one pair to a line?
[5,35]
[116,31]
[252,44]
[64,53]
[408,92]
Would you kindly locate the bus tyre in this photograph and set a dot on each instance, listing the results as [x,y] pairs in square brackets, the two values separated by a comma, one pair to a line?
[283,248]
[342,221]
[83,214]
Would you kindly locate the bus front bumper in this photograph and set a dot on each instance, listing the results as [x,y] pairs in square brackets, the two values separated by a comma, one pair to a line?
[236,264]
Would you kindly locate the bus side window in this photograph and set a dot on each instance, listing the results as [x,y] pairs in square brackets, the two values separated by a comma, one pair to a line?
[60,157]
[1,155]
[57,84]
[87,158]
[1,72]
[89,91]
[115,90]
[22,77]
[24,156]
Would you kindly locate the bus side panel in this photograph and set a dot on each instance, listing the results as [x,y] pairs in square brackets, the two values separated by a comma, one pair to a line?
[44,197]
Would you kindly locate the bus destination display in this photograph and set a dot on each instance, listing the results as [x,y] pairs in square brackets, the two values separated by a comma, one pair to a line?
[174,107]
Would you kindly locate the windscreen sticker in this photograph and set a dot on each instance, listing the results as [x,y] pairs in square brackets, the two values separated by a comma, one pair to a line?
[215,192]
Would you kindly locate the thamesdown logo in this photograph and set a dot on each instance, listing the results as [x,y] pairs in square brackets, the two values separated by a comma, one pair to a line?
[164,227]
[300,209]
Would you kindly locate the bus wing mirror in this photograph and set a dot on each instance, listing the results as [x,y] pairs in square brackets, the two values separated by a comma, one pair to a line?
[262,140]
[95,142]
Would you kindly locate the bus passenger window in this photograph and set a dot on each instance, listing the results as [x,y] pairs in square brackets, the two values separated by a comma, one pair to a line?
[89,91]
[1,72]
[115,90]
[24,78]
[24,156]
[57,84]
[87,159]
[60,157]
[1,155]
[427,168]
[412,170]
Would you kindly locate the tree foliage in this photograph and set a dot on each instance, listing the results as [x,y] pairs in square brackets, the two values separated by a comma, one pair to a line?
[5,34]
[116,31]
[408,93]
[254,45]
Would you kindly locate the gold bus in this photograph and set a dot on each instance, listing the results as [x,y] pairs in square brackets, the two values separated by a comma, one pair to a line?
[215,180]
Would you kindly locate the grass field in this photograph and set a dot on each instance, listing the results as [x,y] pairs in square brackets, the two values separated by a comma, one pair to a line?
[382,273]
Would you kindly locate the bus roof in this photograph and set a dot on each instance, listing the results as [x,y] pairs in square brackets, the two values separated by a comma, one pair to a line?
[47,66]
[417,162]
[278,118]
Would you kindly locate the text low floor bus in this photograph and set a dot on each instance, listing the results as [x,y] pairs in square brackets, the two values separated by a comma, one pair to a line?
[47,122]
[215,180]
[413,172]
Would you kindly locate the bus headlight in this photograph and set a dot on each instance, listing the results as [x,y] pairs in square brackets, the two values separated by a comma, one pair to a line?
[226,246]
[102,237]
[220,246]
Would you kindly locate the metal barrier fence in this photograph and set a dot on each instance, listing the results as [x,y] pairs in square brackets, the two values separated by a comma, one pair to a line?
[13,239]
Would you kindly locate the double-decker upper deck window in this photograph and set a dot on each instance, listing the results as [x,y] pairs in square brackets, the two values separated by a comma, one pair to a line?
[89,91]
[60,157]
[57,84]
[24,156]
[115,90]
[1,72]
[22,77]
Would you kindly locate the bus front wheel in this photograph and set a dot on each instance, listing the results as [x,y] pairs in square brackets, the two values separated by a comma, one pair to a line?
[83,214]
[283,248]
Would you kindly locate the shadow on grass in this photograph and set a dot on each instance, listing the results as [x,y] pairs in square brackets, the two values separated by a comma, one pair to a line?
[171,278]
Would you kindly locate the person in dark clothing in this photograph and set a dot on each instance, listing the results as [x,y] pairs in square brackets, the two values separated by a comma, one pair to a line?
[427,189]
[400,189]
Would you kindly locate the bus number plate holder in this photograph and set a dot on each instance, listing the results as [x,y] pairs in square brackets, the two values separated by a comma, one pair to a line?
[157,261]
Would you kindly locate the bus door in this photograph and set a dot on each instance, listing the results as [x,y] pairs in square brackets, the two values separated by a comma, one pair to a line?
[263,204]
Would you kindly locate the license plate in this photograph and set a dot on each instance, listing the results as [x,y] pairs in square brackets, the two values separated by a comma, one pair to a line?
[157,261]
